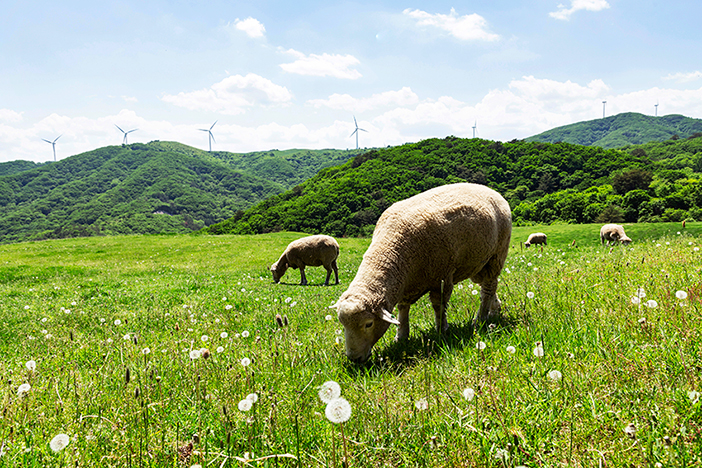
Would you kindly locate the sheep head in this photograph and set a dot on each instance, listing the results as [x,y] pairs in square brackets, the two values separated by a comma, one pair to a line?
[278,269]
[363,326]
[625,240]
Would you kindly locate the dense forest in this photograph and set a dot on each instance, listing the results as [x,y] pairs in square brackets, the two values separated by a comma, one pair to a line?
[620,130]
[155,188]
[543,182]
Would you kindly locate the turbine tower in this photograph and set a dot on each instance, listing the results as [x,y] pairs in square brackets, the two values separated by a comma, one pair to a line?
[356,130]
[656,106]
[124,140]
[475,127]
[53,144]
[210,135]
[604,103]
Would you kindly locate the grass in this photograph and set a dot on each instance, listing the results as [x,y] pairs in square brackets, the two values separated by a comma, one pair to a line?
[87,310]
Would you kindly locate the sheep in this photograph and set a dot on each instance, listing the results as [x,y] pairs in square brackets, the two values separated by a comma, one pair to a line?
[614,233]
[536,238]
[308,251]
[426,243]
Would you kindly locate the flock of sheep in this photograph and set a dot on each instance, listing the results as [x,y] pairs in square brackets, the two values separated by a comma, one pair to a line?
[424,244]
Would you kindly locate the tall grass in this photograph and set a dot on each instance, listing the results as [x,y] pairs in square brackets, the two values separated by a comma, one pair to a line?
[111,324]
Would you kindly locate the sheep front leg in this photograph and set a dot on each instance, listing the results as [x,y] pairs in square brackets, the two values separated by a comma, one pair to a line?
[489,303]
[336,271]
[303,278]
[403,318]
[439,301]
[326,281]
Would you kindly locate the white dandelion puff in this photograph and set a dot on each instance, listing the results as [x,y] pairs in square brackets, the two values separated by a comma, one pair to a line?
[468,393]
[630,430]
[682,295]
[329,391]
[480,345]
[530,295]
[245,334]
[651,304]
[245,405]
[220,349]
[555,375]
[204,338]
[224,335]
[511,349]
[253,397]
[422,404]
[146,351]
[245,362]
[195,354]
[694,396]
[31,365]
[118,322]
[59,442]
[23,389]
[539,351]
[338,410]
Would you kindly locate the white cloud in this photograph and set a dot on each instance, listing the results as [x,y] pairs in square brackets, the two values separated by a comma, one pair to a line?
[403,97]
[7,115]
[334,65]
[466,28]
[564,13]
[129,99]
[251,26]
[684,77]
[233,95]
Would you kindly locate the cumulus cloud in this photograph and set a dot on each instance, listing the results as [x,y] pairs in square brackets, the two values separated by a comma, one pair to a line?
[334,65]
[233,95]
[7,115]
[684,77]
[565,13]
[402,97]
[251,26]
[466,28]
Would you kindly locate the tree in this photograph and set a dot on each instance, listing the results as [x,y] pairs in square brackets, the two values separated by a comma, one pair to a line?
[631,180]
[611,214]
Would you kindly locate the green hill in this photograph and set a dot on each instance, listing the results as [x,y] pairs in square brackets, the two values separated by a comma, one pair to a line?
[544,183]
[157,188]
[621,130]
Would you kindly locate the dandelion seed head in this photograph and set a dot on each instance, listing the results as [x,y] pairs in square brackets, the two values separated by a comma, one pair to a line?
[220,349]
[694,396]
[118,322]
[31,365]
[329,391]
[245,362]
[635,300]
[224,335]
[682,295]
[530,295]
[511,349]
[480,345]
[146,351]
[539,351]
[245,405]
[630,430]
[555,375]
[253,397]
[328,318]
[338,410]
[245,334]
[204,338]
[195,354]
[59,442]
[651,304]
[422,404]
[23,389]
[468,393]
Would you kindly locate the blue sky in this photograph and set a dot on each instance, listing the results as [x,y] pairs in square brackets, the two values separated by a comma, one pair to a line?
[280,75]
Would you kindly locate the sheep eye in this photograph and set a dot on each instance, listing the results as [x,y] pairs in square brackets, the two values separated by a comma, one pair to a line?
[369,324]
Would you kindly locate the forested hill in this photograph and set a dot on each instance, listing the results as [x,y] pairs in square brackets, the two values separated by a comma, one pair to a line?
[622,129]
[543,182]
[159,187]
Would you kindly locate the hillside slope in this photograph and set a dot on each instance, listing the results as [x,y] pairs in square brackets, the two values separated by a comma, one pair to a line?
[621,130]
[157,188]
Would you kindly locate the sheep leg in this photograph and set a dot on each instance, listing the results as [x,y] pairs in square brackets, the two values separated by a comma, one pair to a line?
[439,300]
[403,318]
[489,303]
[303,278]
[336,271]
[326,281]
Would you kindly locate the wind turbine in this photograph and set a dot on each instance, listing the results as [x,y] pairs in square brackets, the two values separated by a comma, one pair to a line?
[124,140]
[656,106]
[53,144]
[604,103]
[356,131]
[209,132]
[475,127]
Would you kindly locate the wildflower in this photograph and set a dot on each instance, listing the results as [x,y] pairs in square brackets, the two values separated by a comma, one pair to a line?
[530,295]
[329,391]
[338,410]
[228,307]
[511,349]
[195,354]
[641,292]
[26,307]
[480,345]
[293,303]
[338,340]
[253,397]
[31,365]
[204,338]
[126,337]
[246,362]
[694,396]
[539,350]
[288,299]
[245,405]
[59,442]
[220,349]
[245,334]
[555,375]
[224,335]
[328,318]
[118,322]
[630,431]
[468,393]
[474,292]
[145,351]
[682,295]
[421,404]
[23,389]
[642,321]
[651,304]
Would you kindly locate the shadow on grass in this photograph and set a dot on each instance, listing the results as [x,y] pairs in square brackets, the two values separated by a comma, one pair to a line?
[398,356]
[283,283]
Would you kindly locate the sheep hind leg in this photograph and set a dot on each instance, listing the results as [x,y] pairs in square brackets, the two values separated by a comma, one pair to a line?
[490,305]
[336,271]
[303,278]
[439,301]
[403,318]
[326,281]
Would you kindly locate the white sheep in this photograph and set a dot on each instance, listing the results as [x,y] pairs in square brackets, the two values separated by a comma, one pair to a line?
[426,243]
[614,233]
[308,251]
[536,238]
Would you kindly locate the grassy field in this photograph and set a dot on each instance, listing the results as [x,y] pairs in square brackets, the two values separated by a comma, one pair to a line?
[113,326]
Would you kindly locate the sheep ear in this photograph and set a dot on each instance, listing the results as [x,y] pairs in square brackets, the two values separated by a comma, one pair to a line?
[387,317]
[335,305]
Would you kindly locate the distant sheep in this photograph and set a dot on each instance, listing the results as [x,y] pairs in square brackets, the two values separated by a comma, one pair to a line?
[308,251]
[426,243]
[614,233]
[536,238]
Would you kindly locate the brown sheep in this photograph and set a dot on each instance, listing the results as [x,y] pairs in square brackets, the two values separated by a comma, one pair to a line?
[614,233]
[308,251]
[536,238]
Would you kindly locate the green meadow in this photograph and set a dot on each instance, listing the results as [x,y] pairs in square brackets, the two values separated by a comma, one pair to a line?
[144,351]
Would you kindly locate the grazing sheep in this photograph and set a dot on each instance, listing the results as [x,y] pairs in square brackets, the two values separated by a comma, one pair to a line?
[536,238]
[613,233]
[426,243]
[308,251]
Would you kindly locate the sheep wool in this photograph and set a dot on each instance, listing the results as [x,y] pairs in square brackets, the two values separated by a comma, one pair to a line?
[536,238]
[614,233]
[317,250]
[426,244]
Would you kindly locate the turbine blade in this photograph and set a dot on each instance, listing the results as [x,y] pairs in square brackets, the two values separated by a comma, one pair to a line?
[355,131]
[363,130]
[130,131]
[119,128]
[213,138]
[354,121]
[58,138]
[203,130]
[47,141]
[214,124]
